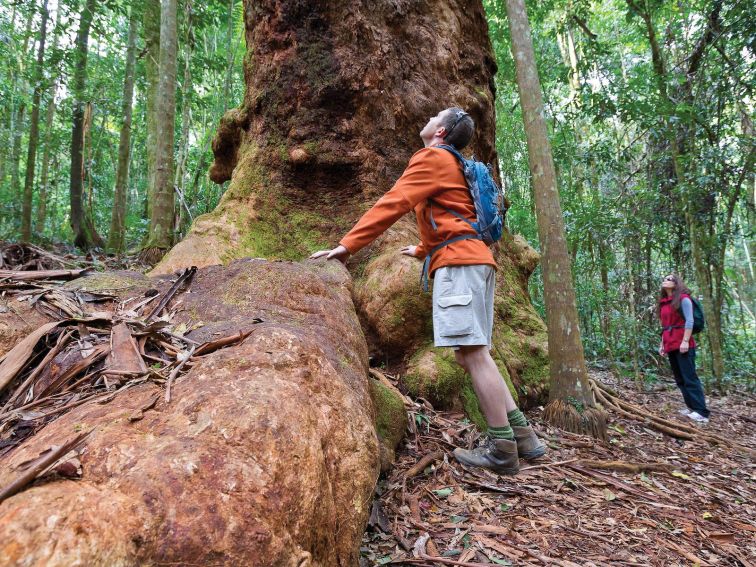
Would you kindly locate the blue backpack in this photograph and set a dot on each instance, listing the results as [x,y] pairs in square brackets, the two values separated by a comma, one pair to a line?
[490,207]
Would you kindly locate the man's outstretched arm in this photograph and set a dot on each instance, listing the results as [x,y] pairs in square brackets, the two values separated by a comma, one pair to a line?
[415,185]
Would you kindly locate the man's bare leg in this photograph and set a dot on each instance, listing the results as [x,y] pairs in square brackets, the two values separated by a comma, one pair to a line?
[493,394]
[504,443]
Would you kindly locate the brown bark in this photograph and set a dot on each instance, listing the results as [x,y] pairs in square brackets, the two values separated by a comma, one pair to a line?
[569,377]
[85,235]
[336,94]
[31,155]
[161,218]
[117,234]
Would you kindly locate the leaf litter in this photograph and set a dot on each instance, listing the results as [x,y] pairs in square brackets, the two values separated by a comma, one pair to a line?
[96,347]
[661,492]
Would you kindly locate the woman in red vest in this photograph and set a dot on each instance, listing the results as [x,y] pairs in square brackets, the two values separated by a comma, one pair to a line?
[676,316]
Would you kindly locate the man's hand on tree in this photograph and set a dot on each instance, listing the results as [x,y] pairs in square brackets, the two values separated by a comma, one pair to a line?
[409,251]
[339,253]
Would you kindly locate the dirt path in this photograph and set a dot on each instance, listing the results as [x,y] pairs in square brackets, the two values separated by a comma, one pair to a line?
[689,502]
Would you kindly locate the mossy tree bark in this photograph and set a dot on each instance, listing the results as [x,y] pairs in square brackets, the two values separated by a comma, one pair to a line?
[571,404]
[336,94]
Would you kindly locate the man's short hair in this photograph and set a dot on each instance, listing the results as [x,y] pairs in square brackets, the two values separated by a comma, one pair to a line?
[459,127]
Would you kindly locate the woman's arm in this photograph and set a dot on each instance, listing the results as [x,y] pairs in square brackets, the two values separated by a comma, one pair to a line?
[687,308]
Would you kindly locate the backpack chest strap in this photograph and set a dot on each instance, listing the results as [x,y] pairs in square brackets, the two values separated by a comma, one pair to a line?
[426,263]
[431,203]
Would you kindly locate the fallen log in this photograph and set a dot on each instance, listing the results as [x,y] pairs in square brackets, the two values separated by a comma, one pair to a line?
[26,276]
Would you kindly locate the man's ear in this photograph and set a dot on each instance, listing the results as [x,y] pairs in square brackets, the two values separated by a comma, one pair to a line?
[441,132]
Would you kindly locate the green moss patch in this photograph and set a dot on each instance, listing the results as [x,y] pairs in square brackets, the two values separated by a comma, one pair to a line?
[390,415]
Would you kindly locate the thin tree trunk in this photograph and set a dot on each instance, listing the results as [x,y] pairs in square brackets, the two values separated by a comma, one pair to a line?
[39,224]
[161,220]
[31,155]
[85,235]
[18,117]
[44,178]
[185,216]
[229,55]
[18,131]
[151,27]
[117,234]
[606,322]
[571,404]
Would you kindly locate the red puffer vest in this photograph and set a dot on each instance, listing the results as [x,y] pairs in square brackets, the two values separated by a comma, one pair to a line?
[673,325]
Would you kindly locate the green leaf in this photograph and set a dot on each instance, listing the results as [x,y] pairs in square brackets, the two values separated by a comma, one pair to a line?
[443,492]
[384,560]
[458,519]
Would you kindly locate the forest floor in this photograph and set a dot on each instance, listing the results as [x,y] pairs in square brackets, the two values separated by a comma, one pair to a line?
[668,502]
[642,498]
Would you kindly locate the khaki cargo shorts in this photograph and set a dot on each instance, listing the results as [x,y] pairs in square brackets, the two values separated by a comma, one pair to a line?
[463,305]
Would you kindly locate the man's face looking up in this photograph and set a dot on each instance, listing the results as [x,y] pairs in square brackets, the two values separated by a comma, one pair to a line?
[433,128]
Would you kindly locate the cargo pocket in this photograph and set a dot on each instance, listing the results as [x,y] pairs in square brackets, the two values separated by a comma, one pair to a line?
[455,315]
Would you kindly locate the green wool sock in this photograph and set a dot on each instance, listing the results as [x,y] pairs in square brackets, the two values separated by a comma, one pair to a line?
[501,432]
[517,418]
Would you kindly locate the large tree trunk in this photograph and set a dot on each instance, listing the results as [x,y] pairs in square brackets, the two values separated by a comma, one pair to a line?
[570,400]
[85,235]
[31,155]
[336,94]
[116,236]
[161,218]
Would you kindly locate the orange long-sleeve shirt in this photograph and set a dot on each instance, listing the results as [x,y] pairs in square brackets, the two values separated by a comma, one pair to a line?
[431,173]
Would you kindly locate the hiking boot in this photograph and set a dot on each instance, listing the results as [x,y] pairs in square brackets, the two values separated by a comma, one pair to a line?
[695,416]
[528,444]
[499,455]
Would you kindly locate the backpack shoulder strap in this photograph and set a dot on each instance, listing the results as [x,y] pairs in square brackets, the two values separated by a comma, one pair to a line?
[454,151]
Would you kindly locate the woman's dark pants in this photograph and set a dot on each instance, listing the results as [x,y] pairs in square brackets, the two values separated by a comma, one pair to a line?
[684,369]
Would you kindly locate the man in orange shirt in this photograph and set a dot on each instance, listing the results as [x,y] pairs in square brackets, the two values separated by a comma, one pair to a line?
[464,279]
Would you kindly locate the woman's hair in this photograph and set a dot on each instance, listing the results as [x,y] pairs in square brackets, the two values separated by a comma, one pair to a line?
[680,289]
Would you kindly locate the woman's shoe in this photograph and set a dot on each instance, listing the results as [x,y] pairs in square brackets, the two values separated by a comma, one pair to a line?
[684,411]
[695,416]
